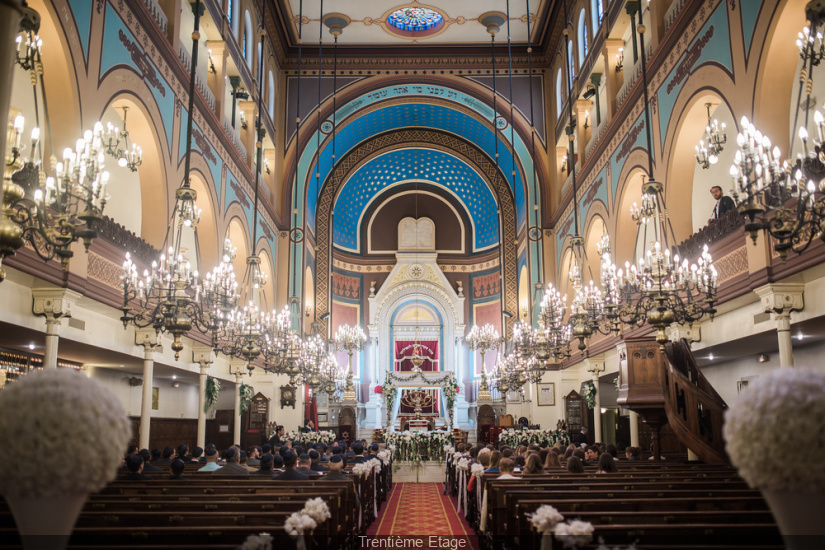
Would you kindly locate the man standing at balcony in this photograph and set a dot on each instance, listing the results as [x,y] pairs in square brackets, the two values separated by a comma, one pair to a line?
[723,203]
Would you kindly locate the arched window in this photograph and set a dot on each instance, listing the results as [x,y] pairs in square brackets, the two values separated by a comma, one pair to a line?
[232,12]
[247,39]
[271,95]
[558,93]
[597,11]
[583,45]
[571,63]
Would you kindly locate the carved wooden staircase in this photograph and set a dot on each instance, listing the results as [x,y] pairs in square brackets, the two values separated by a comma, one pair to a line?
[668,387]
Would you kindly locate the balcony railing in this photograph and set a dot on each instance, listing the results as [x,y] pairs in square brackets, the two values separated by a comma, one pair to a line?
[157,14]
[673,12]
[635,74]
[207,94]
[236,140]
[730,222]
[595,137]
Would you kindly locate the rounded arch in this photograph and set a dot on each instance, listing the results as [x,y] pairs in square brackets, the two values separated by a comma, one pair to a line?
[145,214]
[460,148]
[270,98]
[524,294]
[776,71]
[248,39]
[236,233]
[597,14]
[583,35]
[685,177]
[594,230]
[233,11]
[626,229]
[559,93]
[208,244]
[268,291]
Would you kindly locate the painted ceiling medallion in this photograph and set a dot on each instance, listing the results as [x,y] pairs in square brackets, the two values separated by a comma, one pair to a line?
[415,19]
[415,271]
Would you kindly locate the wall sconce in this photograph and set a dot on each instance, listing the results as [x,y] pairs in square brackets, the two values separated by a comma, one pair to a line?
[564,164]
[308,309]
[266,167]
[586,120]
[211,62]
[244,125]
[620,60]
[524,310]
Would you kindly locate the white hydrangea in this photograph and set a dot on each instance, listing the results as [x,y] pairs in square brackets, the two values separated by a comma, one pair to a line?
[317,509]
[362,469]
[463,464]
[385,456]
[257,542]
[477,469]
[776,413]
[299,523]
[60,414]
[573,534]
[545,518]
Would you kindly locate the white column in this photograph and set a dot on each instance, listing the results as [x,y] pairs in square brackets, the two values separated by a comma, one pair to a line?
[202,356]
[596,367]
[781,299]
[54,304]
[148,338]
[634,429]
[238,368]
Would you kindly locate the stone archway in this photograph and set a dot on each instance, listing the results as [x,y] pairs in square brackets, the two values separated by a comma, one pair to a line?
[432,139]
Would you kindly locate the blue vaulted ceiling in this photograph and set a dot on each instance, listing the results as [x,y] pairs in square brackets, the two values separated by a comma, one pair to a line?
[415,115]
[427,165]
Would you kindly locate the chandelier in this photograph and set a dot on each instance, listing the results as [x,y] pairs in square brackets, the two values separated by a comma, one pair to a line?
[49,206]
[349,338]
[117,145]
[786,198]
[483,339]
[712,143]
[555,333]
[170,297]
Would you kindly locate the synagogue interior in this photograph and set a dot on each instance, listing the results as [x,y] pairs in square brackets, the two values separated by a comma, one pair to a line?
[497,222]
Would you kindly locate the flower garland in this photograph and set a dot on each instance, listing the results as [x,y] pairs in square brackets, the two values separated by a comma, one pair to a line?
[246,397]
[589,394]
[213,388]
[59,412]
[513,438]
[415,447]
[447,383]
[388,390]
[774,412]
[315,437]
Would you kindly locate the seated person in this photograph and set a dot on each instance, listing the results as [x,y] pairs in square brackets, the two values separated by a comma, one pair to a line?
[507,467]
[134,464]
[176,470]
[266,463]
[606,464]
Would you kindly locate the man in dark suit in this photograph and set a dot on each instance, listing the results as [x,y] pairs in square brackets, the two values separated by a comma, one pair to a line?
[581,437]
[254,454]
[146,455]
[290,474]
[167,457]
[316,465]
[309,426]
[232,468]
[304,463]
[358,451]
[275,440]
[373,455]
[134,464]
[336,465]
[723,203]
[266,466]
[176,469]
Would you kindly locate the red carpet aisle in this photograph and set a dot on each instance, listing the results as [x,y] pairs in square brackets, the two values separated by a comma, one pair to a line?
[419,509]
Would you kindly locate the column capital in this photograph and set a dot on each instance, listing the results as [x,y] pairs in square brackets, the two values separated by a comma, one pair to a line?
[594,365]
[596,79]
[691,334]
[147,337]
[613,45]
[237,367]
[53,303]
[202,355]
[583,105]
[781,298]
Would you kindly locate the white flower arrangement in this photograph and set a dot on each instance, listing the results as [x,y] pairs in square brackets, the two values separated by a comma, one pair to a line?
[769,417]
[262,541]
[298,523]
[449,448]
[541,437]
[589,393]
[573,534]
[545,518]
[385,456]
[477,470]
[362,469]
[317,509]
[53,413]
[463,464]
[418,446]
[314,437]
[376,466]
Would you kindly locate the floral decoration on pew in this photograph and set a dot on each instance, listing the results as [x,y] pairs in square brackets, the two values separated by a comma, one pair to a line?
[547,520]
[262,541]
[315,512]
[385,455]
[416,447]
[513,438]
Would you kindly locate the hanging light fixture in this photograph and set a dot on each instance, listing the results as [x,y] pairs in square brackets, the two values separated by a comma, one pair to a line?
[170,297]
[350,339]
[483,339]
[660,289]
[712,143]
[50,207]
[128,155]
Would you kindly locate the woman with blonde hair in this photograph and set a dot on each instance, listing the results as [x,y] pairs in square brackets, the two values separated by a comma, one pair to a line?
[533,465]
[495,458]
[552,460]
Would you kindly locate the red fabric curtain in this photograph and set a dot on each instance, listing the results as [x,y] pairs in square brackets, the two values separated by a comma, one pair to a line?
[409,410]
[310,407]
[405,349]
